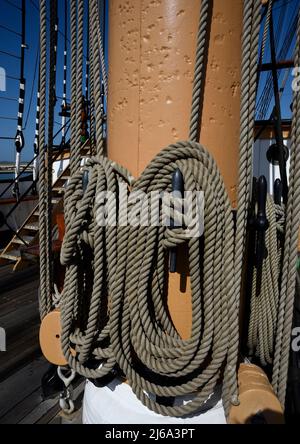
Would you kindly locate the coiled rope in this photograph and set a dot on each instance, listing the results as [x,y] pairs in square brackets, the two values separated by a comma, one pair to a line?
[142,333]
[114,305]
[266,289]
[287,291]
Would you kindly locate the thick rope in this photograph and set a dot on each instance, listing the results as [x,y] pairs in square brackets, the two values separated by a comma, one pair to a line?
[96,68]
[45,301]
[91,79]
[116,313]
[49,177]
[74,149]
[88,283]
[101,51]
[251,24]
[265,293]
[142,333]
[79,81]
[287,293]
[266,29]
[198,85]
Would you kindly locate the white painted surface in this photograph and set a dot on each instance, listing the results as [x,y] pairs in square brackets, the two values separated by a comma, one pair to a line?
[117,404]
[261,165]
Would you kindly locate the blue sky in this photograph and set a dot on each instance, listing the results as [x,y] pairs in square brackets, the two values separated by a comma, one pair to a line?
[10,17]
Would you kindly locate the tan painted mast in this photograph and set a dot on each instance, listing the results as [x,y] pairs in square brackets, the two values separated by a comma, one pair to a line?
[151,61]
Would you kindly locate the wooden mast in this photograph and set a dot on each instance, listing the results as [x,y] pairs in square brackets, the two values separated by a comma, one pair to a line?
[151,62]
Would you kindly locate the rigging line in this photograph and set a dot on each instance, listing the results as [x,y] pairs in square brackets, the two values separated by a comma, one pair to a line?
[32,88]
[59,31]
[8,98]
[12,77]
[62,98]
[10,54]
[10,30]
[13,5]
[8,118]
[263,102]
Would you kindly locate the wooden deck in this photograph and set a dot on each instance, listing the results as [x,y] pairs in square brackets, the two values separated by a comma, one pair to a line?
[22,366]
[19,316]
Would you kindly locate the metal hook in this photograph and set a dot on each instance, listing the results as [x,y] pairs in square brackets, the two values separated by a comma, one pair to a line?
[66,402]
[66,380]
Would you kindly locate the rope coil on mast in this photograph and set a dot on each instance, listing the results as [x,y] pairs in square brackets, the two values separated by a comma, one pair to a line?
[271,312]
[111,296]
[266,288]
[288,284]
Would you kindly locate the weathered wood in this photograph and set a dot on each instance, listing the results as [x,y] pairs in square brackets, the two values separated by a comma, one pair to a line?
[60,417]
[22,351]
[10,280]
[46,411]
[21,385]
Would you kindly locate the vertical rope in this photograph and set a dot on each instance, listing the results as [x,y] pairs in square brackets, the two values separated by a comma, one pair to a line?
[251,24]
[266,29]
[73,30]
[202,38]
[48,176]
[101,49]
[45,304]
[94,14]
[79,78]
[285,314]
[91,73]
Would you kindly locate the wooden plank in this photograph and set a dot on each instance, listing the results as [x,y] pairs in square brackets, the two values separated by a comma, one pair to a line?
[10,280]
[24,348]
[23,408]
[56,416]
[39,411]
[12,300]
[19,318]
[21,385]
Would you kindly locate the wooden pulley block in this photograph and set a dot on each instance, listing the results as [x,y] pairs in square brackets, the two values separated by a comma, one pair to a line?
[50,334]
[258,402]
